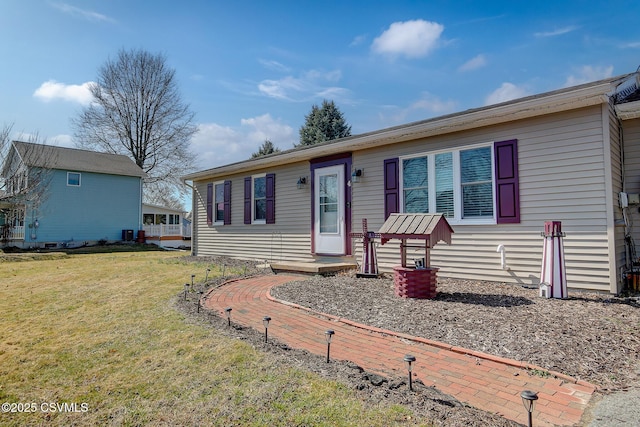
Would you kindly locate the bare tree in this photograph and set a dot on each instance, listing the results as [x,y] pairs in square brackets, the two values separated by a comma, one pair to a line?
[137,111]
[25,175]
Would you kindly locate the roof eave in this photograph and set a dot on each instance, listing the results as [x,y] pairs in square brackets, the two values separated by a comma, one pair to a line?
[628,111]
[552,102]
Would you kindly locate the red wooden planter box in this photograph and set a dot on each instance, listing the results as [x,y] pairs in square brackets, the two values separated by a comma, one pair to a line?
[415,283]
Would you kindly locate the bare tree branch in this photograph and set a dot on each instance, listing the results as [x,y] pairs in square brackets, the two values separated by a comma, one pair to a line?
[24,179]
[137,110]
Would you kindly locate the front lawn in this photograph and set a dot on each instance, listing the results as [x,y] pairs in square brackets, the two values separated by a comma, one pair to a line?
[94,339]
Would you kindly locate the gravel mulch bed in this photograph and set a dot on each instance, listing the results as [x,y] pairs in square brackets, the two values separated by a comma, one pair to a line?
[592,337]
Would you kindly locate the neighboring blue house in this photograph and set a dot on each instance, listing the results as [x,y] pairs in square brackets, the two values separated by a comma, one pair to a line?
[55,196]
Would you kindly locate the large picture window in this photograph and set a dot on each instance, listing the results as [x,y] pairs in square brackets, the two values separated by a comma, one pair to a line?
[458,184]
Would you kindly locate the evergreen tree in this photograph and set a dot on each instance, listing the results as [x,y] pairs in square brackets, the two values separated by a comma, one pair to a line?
[267,147]
[323,124]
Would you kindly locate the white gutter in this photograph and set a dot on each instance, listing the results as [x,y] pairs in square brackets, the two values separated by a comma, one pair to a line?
[628,111]
[552,102]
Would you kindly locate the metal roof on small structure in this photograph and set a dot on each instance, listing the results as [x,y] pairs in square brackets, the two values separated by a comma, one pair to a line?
[73,159]
[430,227]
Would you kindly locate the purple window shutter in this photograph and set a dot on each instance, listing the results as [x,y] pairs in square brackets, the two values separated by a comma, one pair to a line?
[507,188]
[227,202]
[270,182]
[209,204]
[247,200]
[391,187]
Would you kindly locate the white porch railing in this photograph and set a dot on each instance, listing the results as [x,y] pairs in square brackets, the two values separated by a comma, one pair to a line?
[14,233]
[161,230]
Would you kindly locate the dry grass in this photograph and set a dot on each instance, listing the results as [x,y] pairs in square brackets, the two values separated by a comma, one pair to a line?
[101,330]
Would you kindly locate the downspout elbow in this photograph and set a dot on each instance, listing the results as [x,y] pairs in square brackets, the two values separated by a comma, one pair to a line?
[503,257]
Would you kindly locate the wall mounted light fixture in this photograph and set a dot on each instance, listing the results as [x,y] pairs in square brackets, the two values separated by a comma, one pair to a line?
[302,182]
[357,175]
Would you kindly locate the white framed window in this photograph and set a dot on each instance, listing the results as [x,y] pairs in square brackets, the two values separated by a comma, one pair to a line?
[73,179]
[218,203]
[259,199]
[457,183]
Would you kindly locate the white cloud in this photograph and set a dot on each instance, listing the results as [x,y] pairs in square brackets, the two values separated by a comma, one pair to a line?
[427,106]
[358,40]
[82,13]
[556,32]
[506,92]
[274,65]
[413,39]
[631,45]
[216,145]
[588,73]
[311,85]
[61,140]
[474,63]
[50,90]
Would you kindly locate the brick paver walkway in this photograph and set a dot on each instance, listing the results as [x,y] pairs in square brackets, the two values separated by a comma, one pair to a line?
[486,382]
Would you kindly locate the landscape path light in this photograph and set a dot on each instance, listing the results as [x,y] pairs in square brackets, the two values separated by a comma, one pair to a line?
[265,322]
[528,400]
[206,275]
[186,289]
[228,311]
[193,276]
[328,335]
[199,299]
[408,363]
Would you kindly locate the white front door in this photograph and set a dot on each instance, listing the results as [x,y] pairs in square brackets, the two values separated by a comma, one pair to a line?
[329,227]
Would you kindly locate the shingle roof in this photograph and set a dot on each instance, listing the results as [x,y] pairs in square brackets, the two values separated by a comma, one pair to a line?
[52,157]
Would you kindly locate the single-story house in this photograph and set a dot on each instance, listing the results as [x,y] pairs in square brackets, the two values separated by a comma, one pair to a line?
[497,173]
[165,226]
[57,196]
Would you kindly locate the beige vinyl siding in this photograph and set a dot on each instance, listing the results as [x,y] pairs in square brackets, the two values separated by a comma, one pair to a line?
[287,239]
[617,228]
[631,137]
[562,178]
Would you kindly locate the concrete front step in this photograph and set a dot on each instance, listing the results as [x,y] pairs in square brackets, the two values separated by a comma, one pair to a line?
[324,266]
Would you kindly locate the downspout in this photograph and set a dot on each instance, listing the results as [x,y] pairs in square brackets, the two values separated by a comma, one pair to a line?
[140,226]
[193,217]
[503,257]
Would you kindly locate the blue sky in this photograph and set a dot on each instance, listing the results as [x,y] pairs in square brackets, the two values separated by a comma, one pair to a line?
[251,70]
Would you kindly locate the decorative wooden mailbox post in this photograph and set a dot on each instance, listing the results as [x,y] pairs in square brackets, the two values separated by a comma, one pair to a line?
[418,281]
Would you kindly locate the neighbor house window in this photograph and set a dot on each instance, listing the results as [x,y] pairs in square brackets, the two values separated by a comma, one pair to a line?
[174,219]
[458,184]
[73,179]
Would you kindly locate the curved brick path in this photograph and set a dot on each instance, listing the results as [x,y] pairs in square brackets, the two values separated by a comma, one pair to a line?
[487,382]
